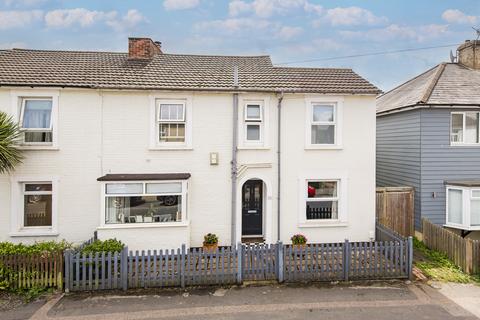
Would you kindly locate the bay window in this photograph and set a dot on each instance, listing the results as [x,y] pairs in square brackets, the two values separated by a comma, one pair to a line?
[464,128]
[463,207]
[36,122]
[145,202]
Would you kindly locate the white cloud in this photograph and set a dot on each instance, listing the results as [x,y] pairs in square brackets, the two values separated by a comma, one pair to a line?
[17,19]
[457,16]
[238,7]
[82,17]
[19,45]
[233,25]
[24,3]
[131,19]
[287,33]
[79,16]
[395,32]
[180,4]
[264,8]
[350,16]
[313,8]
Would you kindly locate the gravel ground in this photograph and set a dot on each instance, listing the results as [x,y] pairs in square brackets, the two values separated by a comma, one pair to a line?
[10,301]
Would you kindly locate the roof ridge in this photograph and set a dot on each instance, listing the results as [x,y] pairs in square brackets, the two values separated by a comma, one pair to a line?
[433,82]
[125,53]
[408,81]
[312,68]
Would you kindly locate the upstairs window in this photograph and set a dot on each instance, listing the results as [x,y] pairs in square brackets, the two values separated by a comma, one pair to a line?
[36,120]
[171,122]
[253,123]
[465,128]
[323,124]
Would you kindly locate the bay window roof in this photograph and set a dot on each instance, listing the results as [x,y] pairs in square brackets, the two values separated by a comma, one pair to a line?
[144,176]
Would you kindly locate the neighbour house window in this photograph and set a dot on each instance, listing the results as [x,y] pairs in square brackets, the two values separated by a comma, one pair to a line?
[37,204]
[144,202]
[465,128]
[322,199]
[171,122]
[463,207]
[36,120]
[323,124]
[253,123]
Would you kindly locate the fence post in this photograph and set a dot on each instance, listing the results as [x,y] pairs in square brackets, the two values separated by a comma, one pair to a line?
[239,263]
[182,266]
[124,268]
[280,261]
[410,256]
[346,259]
[67,270]
[468,256]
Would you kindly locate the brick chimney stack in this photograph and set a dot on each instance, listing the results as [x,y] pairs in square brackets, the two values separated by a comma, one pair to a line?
[143,48]
[469,54]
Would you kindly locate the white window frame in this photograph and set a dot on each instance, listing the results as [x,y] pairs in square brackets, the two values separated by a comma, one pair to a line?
[263,122]
[18,210]
[18,99]
[342,198]
[464,126]
[467,196]
[337,103]
[255,122]
[155,101]
[104,195]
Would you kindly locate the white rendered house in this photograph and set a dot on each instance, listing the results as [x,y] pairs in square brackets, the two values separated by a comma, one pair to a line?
[159,149]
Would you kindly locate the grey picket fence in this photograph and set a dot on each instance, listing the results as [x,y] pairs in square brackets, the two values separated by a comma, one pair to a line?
[390,258]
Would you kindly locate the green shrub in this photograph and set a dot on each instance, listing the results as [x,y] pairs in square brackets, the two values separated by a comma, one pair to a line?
[109,245]
[210,238]
[8,248]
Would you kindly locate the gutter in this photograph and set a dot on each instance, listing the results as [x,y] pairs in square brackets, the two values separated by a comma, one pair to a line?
[234,157]
[279,156]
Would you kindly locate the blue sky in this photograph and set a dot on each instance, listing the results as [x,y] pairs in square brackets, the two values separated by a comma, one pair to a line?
[288,30]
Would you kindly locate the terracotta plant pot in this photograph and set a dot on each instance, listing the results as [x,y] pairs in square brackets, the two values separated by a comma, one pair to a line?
[298,247]
[207,247]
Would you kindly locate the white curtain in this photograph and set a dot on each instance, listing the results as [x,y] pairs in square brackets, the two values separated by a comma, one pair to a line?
[455,206]
[37,114]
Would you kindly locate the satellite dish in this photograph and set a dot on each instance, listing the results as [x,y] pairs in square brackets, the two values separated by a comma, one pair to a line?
[452,57]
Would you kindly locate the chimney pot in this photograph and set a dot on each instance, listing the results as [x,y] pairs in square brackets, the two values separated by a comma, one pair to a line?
[143,48]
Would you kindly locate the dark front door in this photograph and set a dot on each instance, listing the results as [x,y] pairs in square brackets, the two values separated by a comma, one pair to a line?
[252,208]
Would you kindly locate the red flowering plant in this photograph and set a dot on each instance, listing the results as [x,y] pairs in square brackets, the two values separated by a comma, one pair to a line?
[298,239]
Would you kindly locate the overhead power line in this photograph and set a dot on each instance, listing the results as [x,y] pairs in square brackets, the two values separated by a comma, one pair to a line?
[369,54]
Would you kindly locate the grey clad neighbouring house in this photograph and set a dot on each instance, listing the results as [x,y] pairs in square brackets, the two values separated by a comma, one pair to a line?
[428,138]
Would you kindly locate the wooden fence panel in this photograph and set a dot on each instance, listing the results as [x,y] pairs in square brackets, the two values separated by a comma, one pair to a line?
[395,209]
[465,253]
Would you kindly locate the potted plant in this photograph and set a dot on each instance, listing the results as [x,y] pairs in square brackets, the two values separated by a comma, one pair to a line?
[210,242]
[299,241]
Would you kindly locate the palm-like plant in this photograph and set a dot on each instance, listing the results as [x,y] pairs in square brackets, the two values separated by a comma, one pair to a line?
[10,154]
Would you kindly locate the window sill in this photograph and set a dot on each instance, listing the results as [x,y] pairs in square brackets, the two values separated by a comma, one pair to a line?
[166,148]
[467,145]
[34,233]
[244,147]
[323,224]
[144,225]
[462,227]
[324,147]
[38,147]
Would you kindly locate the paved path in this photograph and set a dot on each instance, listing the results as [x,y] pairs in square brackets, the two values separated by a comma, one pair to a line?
[465,295]
[374,301]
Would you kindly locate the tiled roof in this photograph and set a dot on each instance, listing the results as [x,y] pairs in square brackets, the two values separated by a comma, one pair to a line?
[445,84]
[170,71]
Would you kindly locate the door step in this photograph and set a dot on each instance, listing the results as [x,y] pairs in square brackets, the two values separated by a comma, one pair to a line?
[253,240]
